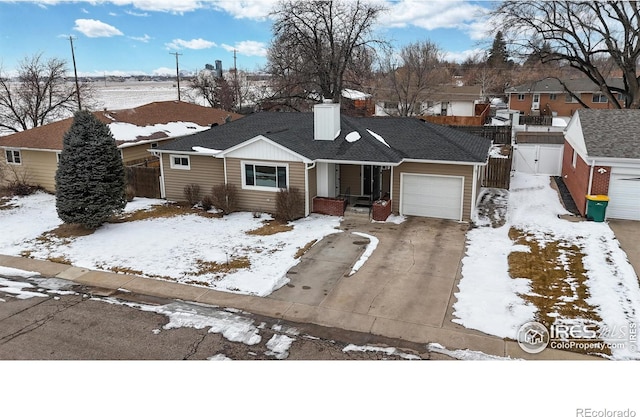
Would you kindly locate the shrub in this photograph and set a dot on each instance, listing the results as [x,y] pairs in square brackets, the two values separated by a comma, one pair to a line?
[192,194]
[225,198]
[289,204]
[130,191]
[207,203]
[16,180]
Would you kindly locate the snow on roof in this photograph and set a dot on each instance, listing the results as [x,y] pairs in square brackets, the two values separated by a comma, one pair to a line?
[352,137]
[354,94]
[380,138]
[128,132]
[207,151]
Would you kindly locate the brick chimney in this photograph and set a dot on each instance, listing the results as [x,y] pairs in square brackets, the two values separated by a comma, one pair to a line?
[326,120]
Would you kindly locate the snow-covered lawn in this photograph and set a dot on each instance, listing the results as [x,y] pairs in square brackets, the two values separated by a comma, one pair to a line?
[598,286]
[188,248]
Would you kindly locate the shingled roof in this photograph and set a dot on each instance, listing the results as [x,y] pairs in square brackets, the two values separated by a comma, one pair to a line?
[50,136]
[553,85]
[611,133]
[406,138]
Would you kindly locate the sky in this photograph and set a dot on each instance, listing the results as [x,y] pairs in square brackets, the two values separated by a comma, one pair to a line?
[120,37]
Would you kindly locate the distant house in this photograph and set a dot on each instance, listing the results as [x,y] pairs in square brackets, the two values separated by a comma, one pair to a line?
[602,156]
[446,100]
[548,97]
[423,169]
[34,153]
[357,103]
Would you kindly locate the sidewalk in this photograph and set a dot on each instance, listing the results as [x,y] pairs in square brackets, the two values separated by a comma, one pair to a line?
[452,338]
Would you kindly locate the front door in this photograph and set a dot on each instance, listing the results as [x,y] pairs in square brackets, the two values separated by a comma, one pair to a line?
[371,181]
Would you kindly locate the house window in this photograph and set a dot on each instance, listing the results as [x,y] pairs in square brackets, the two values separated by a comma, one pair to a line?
[154,145]
[574,159]
[270,177]
[599,98]
[568,98]
[13,156]
[520,97]
[180,162]
[552,96]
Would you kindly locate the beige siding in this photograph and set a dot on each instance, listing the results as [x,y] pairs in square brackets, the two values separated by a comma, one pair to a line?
[134,153]
[205,171]
[465,171]
[350,178]
[37,168]
[256,200]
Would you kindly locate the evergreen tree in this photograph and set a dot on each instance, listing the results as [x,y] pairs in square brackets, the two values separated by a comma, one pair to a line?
[498,55]
[90,181]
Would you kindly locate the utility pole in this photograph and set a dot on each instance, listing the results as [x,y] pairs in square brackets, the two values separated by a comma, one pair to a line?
[75,72]
[236,86]
[177,72]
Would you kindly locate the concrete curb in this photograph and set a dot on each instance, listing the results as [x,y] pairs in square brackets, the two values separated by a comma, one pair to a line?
[296,312]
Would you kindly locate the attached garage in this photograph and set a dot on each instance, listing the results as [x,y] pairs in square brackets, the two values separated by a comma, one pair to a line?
[624,195]
[425,195]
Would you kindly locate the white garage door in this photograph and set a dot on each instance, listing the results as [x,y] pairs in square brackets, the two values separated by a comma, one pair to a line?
[624,196]
[538,159]
[431,196]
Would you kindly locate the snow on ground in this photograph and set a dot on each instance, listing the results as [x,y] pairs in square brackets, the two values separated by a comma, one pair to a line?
[371,246]
[465,355]
[490,300]
[181,248]
[130,94]
[387,351]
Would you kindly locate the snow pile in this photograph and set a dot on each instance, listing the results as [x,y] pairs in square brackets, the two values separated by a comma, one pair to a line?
[379,138]
[373,244]
[490,300]
[279,346]
[464,355]
[352,137]
[390,351]
[19,289]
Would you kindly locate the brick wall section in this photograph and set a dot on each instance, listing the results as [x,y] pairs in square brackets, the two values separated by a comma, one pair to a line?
[576,179]
[329,206]
[600,184]
[381,210]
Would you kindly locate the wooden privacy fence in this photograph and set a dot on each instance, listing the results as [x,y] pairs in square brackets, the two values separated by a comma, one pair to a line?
[144,180]
[497,173]
[500,135]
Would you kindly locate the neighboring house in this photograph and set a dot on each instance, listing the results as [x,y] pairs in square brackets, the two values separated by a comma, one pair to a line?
[446,100]
[357,103]
[425,169]
[34,153]
[548,97]
[602,157]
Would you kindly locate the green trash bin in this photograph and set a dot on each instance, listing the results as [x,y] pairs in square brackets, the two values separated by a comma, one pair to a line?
[597,207]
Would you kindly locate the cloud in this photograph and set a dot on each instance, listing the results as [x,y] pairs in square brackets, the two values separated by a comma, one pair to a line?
[248,48]
[246,9]
[132,13]
[437,14]
[462,56]
[172,6]
[95,29]
[164,71]
[146,38]
[85,11]
[192,44]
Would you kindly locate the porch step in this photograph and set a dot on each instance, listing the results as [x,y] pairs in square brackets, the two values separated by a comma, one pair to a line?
[357,213]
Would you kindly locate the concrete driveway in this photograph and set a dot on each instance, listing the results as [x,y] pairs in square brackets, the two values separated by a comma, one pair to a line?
[628,234]
[410,277]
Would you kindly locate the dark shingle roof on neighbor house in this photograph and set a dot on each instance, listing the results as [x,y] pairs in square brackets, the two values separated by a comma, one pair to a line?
[553,85]
[611,133]
[408,138]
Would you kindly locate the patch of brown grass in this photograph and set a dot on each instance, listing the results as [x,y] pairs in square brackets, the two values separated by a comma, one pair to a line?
[65,231]
[206,267]
[301,251]
[558,278]
[59,260]
[270,227]
[162,211]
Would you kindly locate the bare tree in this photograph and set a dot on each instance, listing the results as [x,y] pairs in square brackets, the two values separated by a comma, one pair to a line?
[217,91]
[38,95]
[414,74]
[313,45]
[583,35]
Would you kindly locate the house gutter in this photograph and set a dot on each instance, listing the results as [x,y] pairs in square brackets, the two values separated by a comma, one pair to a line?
[307,168]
